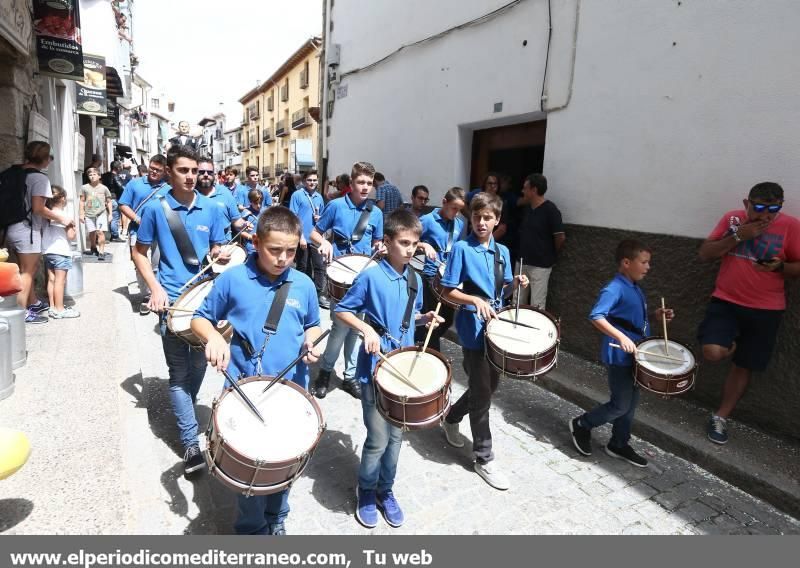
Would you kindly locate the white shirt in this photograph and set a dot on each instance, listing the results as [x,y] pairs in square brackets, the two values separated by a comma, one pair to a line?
[54,239]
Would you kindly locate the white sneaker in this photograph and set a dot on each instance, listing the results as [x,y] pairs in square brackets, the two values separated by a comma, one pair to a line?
[492,475]
[452,434]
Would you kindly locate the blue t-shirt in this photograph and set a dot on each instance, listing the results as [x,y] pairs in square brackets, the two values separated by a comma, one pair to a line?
[381,293]
[342,216]
[438,231]
[226,207]
[305,206]
[624,300]
[137,190]
[472,263]
[204,225]
[239,193]
[243,295]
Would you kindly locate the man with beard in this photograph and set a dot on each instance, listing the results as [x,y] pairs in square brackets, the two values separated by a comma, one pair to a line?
[206,185]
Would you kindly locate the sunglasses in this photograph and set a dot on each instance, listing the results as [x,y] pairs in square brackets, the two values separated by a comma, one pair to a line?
[761,207]
[205,172]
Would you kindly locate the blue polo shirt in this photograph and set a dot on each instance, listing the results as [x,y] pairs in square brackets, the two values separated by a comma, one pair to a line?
[226,206]
[382,294]
[304,205]
[621,299]
[204,225]
[437,231]
[137,190]
[472,262]
[243,295]
[342,216]
[239,193]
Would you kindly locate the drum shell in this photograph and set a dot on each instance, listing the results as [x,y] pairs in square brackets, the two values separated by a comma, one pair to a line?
[15,315]
[246,475]
[337,290]
[514,364]
[438,291]
[414,412]
[187,335]
[663,383]
[6,373]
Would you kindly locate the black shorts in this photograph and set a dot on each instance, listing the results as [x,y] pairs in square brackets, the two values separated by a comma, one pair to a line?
[753,330]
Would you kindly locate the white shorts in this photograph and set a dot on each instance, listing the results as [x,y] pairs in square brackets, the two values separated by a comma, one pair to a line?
[19,237]
[99,223]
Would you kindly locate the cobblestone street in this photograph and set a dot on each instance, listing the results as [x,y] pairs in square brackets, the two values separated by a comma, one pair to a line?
[106,460]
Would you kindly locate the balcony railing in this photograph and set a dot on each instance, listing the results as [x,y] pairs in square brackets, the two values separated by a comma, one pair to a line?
[265,171]
[267,135]
[303,79]
[300,119]
[271,103]
[252,112]
[285,93]
[279,169]
[280,128]
[253,141]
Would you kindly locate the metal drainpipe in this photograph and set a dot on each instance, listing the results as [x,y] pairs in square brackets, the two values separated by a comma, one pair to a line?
[323,109]
[544,101]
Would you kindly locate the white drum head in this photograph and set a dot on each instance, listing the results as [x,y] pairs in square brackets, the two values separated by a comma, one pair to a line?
[291,423]
[192,299]
[429,375]
[238,256]
[665,366]
[344,275]
[519,340]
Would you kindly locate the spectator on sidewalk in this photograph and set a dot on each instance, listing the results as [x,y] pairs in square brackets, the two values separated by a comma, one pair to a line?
[541,237]
[112,179]
[25,237]
[342,187]
[419,200]
[56,238]
[95,163]
[95,210]
[387,196]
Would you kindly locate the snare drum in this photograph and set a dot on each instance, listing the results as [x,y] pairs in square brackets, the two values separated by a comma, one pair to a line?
[343,270]
[660,375]
[405,406]
[417,262]
[179,322]
[238,256]
[438,289]
[255,458]
[520,351]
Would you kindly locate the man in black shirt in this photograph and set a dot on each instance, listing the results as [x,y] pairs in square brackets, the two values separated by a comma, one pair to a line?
[541,236]
[110,179]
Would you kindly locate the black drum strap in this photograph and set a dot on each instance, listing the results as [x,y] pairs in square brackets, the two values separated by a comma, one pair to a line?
[411,277]
[361,226]
[273,319]
[499,265]
[179,234]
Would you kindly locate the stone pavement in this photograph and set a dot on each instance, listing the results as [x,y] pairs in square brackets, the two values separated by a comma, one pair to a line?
[93,399]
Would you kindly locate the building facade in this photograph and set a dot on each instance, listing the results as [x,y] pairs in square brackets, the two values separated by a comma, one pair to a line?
[279,130]
[234,147]
[649,119]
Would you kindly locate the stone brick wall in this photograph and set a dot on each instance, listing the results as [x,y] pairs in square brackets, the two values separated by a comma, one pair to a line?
[16,94]
[587,262]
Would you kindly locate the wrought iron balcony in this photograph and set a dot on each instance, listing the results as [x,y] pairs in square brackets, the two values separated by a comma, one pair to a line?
[280,128]
[300,119]
[279,169]
[267,135]
[265,172]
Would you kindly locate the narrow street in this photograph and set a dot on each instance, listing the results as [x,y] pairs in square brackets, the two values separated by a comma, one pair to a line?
[105,456]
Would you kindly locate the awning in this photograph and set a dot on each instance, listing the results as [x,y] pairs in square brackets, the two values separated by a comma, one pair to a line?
[123,151]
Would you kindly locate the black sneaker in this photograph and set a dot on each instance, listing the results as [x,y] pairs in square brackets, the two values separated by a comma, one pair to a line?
[324,302]
[320,388]
[101,256]
[278,529]
[144,309]
[39,307]
[193,460]
[627,454]
[352,387]
[581,437]
[33,317]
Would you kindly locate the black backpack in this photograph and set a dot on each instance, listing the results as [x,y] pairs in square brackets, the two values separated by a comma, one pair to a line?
[12,196]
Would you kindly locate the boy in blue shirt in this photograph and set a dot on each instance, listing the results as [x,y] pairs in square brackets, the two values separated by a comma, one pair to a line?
[381,293]
[441,229]
[620,313]
[202,233]
[483,266]
[307,204]
[243,295]
[357,227]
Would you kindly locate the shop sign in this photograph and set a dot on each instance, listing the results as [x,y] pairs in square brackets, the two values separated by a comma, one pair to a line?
[57,25]
[92,89]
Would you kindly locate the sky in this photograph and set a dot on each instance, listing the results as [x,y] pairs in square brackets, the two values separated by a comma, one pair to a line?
[228,46]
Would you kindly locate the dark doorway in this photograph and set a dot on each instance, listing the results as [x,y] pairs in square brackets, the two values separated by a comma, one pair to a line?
[517,163]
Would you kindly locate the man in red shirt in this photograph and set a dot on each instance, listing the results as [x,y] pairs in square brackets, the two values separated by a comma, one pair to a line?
[759,247]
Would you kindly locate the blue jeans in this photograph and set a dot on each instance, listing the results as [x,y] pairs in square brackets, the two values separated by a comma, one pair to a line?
[619,410]
[381,448]
[341,334]
[187,367]
[257,512]
[113,225]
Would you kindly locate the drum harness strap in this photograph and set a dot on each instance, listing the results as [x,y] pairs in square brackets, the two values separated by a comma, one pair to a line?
[471,288]
[358,232]
[179,234]
[411,280]
[270,325]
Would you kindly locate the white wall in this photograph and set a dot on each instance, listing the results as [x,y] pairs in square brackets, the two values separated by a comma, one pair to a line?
[655,137]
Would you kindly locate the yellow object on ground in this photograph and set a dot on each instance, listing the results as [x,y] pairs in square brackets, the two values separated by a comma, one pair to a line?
[14,451]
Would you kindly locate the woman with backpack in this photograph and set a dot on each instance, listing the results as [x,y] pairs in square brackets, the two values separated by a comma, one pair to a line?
[23,192]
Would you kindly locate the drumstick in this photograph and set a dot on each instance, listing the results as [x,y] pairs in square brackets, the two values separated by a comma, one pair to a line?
[245,398]
[339,262]
[174,309]
[664,321]
[618,346]
[519,279]
[196,276]
[427,338]
[518,323]
[289,367]
[397,373]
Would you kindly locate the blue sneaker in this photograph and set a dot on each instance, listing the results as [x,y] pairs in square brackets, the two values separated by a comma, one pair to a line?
[366,513]
[390,508]
[717,430]
[39,307]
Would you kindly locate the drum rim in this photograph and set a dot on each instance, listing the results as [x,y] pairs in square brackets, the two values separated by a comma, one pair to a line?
[224,478]
[555,321]
[681,343]
[439,355]
[223,267]
[341,256]
[263,378]
[178,299]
